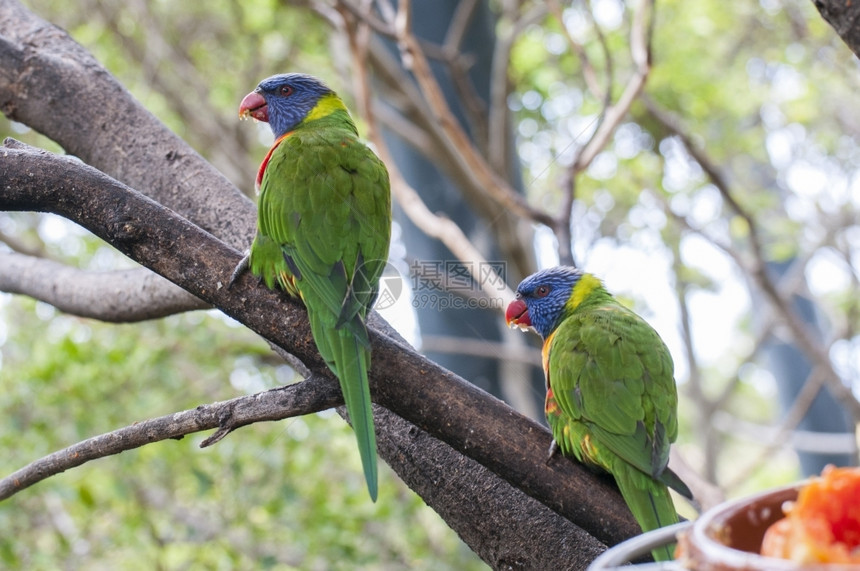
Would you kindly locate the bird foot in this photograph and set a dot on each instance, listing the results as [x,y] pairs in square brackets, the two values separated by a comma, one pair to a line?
[553,450]
[240,269]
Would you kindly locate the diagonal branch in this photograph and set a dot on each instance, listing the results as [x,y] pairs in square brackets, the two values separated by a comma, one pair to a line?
[640,49]
[433,399]
[411,452]
[609,119]
[471,161]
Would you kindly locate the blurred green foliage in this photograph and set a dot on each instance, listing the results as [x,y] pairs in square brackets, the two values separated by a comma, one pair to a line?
[270,496]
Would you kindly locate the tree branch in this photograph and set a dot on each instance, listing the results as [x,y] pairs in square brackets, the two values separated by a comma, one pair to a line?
[313,395]
[640,49]
[121,296]
[412,452]
[472,163]
[419,391]
[483,497]
[433,225]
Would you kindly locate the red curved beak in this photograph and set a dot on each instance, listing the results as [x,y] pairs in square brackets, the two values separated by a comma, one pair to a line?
[517,314]
[253,105]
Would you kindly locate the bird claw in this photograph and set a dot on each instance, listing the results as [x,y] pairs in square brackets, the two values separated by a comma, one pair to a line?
[553,450]
[240,269]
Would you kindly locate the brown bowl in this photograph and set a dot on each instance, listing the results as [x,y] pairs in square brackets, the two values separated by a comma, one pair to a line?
[728,537]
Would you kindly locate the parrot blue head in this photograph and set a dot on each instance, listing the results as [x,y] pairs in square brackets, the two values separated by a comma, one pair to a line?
[541,299]
[284,101]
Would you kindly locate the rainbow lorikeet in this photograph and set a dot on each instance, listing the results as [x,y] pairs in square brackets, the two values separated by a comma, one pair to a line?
[611,399]
[324,225]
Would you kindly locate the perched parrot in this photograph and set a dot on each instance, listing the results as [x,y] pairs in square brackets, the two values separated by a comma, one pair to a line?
[323,230]
[611,400]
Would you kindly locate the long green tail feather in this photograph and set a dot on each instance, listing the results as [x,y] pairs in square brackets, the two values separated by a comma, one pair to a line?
[356,393]
[650,503]
[348,356]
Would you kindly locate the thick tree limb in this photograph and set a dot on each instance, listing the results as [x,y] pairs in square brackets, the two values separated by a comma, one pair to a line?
[117,296]
[52,84]
[554,538]
[435,400]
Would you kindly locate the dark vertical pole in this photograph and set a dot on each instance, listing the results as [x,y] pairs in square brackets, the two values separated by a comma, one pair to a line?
[441,310]
[791,369]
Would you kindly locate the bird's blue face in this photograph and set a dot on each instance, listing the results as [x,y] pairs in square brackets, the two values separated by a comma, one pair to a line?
[541,298]
[283,100]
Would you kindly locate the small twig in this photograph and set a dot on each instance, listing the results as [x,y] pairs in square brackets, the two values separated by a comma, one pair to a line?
[563,228]
[792,418]
[498,124]
[640,49]
[473,165]
[364,14]
[18,245]
[459,64]
[313,395]
[608,65]
[588,72]
[608,119]
[706,493]
[434,225]
[814,350]
[404,107]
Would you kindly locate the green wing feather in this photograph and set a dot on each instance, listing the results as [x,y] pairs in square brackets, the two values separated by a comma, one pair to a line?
[324,230]
[614,401]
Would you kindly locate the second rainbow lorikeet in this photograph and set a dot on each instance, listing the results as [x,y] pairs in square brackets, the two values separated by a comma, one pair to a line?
[611,399]
[324,226]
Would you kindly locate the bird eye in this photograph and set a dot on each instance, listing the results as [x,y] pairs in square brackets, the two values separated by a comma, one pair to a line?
[285,90]
[542,291]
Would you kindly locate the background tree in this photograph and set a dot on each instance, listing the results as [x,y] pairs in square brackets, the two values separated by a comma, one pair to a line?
[641,161]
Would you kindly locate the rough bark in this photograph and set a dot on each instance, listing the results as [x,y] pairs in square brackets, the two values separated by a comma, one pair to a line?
[555,540]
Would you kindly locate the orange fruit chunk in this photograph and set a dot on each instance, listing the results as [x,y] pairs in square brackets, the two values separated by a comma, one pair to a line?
[823,525]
